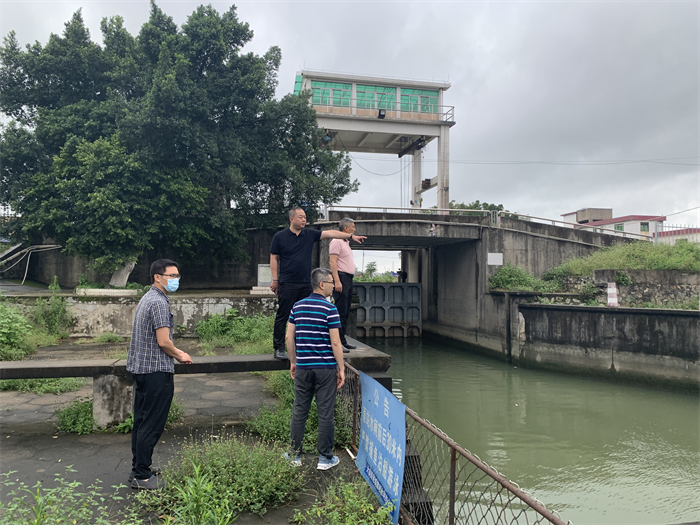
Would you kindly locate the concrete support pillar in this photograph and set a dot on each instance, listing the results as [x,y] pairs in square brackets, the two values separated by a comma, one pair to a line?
[416,177]
[443,186]
[413,266]
[424,280]
[112,399]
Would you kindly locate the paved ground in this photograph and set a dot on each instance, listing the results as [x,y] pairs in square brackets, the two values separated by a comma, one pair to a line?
[31,446]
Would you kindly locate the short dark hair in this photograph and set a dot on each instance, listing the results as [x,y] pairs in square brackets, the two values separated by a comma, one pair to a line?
[318,275]
[159,266]
[293,211]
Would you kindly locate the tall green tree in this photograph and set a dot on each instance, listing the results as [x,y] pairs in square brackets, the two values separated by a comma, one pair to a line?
[169,140]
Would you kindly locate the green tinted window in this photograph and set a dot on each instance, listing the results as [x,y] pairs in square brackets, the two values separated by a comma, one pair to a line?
[619,227]
[297,85]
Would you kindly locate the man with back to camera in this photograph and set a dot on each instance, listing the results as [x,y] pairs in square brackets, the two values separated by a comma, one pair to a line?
[343,268]
[316,366]
[150,360]
[290,265]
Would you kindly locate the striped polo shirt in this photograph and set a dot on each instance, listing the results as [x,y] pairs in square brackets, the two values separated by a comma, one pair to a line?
[314,317]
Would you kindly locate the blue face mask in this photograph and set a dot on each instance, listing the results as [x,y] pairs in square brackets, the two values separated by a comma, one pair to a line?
[173,285]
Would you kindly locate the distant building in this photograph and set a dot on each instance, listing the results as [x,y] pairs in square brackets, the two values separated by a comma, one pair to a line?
[673,233]
[587,215]
[602,220]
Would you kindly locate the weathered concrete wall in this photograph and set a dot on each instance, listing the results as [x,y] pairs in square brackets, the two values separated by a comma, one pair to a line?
[653,286]
[205,274]
[647,346]
[95,315]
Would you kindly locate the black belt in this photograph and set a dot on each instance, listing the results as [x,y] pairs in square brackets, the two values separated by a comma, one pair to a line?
[346,273]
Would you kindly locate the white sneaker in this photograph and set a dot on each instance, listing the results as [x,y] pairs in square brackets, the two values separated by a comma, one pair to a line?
[294,460]
[324,463]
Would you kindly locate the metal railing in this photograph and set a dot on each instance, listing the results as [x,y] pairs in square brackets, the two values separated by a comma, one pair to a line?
[671,233]
[576,226]
[425,211]
[443,482]
[392,109]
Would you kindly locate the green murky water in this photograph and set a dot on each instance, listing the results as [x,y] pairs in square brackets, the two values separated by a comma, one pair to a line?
[597,452]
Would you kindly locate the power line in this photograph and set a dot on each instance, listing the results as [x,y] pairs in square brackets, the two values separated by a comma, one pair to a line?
[556,162]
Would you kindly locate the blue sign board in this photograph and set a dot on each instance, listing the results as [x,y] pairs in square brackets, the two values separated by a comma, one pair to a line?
[380,459]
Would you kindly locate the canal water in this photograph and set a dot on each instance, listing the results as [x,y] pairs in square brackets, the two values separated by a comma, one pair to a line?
[597,452]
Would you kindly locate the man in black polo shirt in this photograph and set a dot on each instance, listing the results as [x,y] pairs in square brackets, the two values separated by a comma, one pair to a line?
[290,263]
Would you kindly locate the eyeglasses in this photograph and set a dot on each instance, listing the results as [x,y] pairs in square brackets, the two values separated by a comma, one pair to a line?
[171,275]
[329,282]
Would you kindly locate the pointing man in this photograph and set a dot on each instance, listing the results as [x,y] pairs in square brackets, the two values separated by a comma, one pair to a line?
[290,264]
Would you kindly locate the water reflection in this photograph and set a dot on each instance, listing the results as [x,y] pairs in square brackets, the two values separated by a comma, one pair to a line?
[597,452]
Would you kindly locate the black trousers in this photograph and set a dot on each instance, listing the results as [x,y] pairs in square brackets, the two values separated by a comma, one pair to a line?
[287,295]
[343,301]
[310,382]
[153,394]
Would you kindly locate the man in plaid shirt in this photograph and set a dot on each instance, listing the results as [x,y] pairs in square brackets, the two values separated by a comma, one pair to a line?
[150,360]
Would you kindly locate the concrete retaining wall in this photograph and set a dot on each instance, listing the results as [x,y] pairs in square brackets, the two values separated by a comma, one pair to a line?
[646,346]
[96,315]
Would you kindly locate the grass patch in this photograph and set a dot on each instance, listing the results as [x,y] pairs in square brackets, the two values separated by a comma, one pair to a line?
[108,337]
[44,386]
[214,481]
[345,503]
[639,255]
[77,418]
[67,502]
[226,330]
[513,278]
[273,423]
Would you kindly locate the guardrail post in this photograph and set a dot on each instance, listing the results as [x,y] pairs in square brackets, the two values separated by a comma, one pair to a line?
[355,401]
[453,467]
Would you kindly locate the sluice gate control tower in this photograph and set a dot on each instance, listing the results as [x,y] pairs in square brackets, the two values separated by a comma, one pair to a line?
[384,115]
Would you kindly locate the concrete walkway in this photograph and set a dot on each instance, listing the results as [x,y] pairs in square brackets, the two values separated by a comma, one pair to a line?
[31,446]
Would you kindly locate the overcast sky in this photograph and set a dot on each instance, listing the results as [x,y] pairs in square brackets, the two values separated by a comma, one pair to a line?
[531,81]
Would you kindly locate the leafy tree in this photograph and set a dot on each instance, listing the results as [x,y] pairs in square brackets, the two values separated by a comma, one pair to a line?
[146,141]
[476,205]
[370,270]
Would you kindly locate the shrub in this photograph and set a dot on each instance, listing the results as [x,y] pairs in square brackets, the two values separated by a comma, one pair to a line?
[622,279]
[228,329]
[52,317]
[588,292]
[76,418]
[345,503]
[214,479]
[513,278]
[14,330]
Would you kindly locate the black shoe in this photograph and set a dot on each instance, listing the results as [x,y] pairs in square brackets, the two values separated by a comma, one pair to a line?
[152,483]
[349,346]
[156,471]
[281,355]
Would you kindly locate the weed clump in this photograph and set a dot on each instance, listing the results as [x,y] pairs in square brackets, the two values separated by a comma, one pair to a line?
[345,502]
[216,480]
[230,329]
[513,278]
